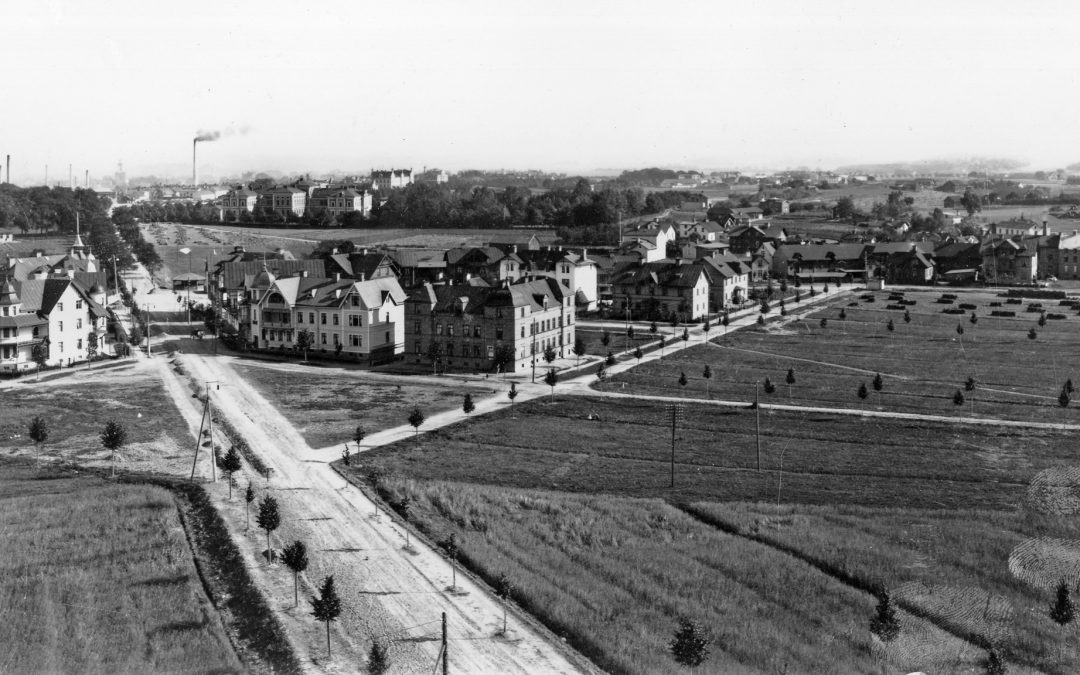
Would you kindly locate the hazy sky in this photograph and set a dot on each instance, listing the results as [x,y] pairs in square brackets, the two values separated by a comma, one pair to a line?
[572,86]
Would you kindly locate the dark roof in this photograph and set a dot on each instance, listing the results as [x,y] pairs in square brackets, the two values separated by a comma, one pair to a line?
[822,251]
[233,275]
[668,273]
[473,299]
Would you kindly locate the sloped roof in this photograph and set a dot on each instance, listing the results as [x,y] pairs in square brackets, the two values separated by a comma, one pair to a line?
[418,257]
[236,275]
[668,273]
[822,251]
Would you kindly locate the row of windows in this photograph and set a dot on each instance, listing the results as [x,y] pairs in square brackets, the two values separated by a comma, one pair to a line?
[355,320]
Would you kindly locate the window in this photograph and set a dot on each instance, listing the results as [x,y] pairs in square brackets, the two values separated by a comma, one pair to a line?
[450,329]
[59,306]
[311,317]
[78,304]
[476,351]
[337,320]
[523,331]
[78,323]
[388,337]
[438,329]
[299,317]
[356,301]
[61,325]
[449,348]
[491,352]
[416,328]
[323,336]
[499,333]
[476,331]
[418,350]
[323,319]
[337,339]
[356,341]
[78,344]
[354,320]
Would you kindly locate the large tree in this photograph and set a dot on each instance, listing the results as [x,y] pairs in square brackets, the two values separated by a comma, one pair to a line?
[113,437]
[689,647]
[39,431]
[230,464]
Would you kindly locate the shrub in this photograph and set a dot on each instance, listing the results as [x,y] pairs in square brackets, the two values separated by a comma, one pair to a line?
[953,310]
[1002,312]
[967,305]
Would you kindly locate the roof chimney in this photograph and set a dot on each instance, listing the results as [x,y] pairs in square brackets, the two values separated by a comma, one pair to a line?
[337,276]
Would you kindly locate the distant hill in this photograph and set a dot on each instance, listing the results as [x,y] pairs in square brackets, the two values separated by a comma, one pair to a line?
[938,166]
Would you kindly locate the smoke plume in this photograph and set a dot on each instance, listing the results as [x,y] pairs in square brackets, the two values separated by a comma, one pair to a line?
[207,136]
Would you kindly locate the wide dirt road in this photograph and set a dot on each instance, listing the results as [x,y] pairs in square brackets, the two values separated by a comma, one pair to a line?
[387,592]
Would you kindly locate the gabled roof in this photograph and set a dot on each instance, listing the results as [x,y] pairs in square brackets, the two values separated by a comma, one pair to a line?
[473,299]
[236,275]
[956,250]
[667,273]
[418,257]
[810,252]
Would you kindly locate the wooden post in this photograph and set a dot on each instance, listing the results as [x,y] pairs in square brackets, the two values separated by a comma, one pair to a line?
[445,655]
[757,425]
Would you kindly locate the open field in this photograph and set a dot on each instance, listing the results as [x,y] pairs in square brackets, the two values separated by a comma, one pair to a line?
[950,565]
[327,404]
[594,339]
[98,578]
[614,574]
[825,459]
[922,363]
[76,408]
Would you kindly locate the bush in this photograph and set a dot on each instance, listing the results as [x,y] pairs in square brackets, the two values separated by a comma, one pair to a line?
[1002,312]
[995,304]
[953,310]
[908,302]
[900,307]
[1056,317]
[1014,301]
[944,301]
[967,305]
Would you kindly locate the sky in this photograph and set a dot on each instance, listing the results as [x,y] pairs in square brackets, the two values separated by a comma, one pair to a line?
[577,87]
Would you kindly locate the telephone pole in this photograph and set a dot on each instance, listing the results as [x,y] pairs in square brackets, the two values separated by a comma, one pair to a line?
[757,425]
[677,410]
[207,422]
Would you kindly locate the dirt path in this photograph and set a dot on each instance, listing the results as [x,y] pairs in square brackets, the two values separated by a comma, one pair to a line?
[387,592]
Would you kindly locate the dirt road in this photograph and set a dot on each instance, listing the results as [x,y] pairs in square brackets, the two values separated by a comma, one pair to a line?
[395,595]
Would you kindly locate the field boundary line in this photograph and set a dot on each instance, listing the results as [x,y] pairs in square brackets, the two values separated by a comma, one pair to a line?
[918,417]
[819,363]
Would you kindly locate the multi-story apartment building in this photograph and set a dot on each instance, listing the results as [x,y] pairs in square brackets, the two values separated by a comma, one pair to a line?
[284,201]
[669,288]
[472,327]
[235,202]
[59,313]
[364,319]
[339,201]
[394,178]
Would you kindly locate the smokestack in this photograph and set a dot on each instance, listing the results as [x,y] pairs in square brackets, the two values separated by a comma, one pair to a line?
[86,179]
[46,175]
[195,162]
[8,174]
[71,180]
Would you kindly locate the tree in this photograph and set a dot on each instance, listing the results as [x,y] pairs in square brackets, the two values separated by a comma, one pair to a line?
[1069,386]
[638,353]
[862,392]
[113,437]
[769,386]
[969,385]
[504,358]
[690,647]
[249,497]
[885,624]
[579,350]
[512,394]
[685,335]
[705,328]
[416,418]
[435,353]
[269,518]
[601,373]
[550,354]
[958,398]
[295,558]
[824,322]
[605,339]
[995,662]
[1062,611]
[878,383]
[326,607]
[761,320]
[378,661]
[891,326]
[230,464]
[1042,320]
[609,360]
[1063,399]
[707,374]
[726,321]
[450,545]
[974,319]
[551,379]
[358,436]
[1032,334]
[790,379]
[39,432]
[91,347]
[467,405]
[404,507]
[40,354]
[907,316]
[503,588]
[682,378]
[971,202]
[305,340]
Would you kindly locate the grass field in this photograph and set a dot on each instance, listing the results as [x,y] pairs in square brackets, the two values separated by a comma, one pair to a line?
[614,574]
[824,459]
[922,363]
[951,566]
[594,339]
[77,407]
[327,409]
[98,578]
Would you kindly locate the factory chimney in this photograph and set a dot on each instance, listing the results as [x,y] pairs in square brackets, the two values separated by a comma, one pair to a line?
[71,179]
[195,162]
[8,172]
[86,179]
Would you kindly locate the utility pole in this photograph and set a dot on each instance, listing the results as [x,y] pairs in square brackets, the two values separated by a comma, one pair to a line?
[207,420]
[445,659]
[757,425]
[534,351]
